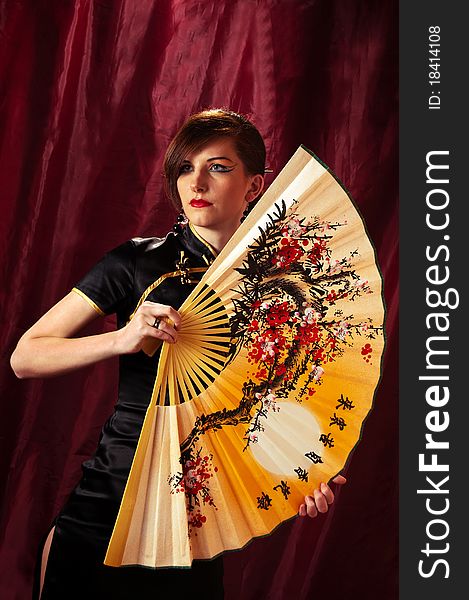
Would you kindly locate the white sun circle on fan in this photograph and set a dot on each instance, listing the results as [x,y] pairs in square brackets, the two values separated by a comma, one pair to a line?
[288,436]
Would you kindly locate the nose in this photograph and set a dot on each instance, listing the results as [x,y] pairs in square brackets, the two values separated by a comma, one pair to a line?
[198,182]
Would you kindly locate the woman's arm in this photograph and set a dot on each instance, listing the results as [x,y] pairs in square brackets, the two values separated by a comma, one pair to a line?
[48,348]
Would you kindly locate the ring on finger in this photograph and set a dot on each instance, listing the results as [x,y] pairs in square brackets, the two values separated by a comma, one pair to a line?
[156,324]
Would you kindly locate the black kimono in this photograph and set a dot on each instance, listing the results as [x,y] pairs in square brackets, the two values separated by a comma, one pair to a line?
[162,270]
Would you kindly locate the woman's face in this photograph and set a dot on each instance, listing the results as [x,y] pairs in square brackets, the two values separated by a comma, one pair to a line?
[214,187]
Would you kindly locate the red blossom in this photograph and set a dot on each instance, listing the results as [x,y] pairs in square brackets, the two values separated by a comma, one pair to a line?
[281,370]
[318,355]
[278,314]
[267,347]
[289,253]
[317,251]
[196,472]
[308,334]
[197,519]
[254,325]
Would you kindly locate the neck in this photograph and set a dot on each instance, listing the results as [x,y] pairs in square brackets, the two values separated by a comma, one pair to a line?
[216,239]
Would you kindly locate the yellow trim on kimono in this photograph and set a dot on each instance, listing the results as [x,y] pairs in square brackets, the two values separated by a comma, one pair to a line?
[201,239]
[90,302]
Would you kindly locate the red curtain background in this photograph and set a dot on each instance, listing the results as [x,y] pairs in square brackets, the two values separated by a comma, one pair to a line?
[91,93]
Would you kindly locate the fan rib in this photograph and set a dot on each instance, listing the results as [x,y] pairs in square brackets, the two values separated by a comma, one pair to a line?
[185,369]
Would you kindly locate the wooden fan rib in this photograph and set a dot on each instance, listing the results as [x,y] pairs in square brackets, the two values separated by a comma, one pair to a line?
[197,320]
[211,309]
[161,377]
[203,358]
[209,314]
[216,363]
[187,382]
[199,356]
[201,376]
[220,318]
[209,341]
[199,339]
[222,396]
[206,373]
[194,372]
[217,356]
[160,399]
[219,350]
[172,378]
[181,370]
[204,327]
[205,342]
[223,292]
[209,337]
[198,295]
[201,324]
[209,298]
[188,371]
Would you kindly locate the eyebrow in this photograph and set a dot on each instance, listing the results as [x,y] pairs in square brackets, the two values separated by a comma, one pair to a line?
[219,157]
[215,158]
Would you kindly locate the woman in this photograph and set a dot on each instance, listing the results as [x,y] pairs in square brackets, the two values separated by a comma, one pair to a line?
[214,172]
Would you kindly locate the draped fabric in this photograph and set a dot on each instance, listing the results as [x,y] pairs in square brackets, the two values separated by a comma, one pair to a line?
[90,94]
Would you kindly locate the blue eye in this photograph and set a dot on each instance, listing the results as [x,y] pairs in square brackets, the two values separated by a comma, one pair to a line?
[185,168]
[220,168]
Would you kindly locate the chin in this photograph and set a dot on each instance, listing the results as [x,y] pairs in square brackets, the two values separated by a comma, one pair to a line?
[202,221]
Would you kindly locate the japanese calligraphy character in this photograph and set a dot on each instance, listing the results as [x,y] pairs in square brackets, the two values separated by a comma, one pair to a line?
[284,488]
[345,403]
[302,474]
[264,501]
[313,457]
[339,421]
[327,440]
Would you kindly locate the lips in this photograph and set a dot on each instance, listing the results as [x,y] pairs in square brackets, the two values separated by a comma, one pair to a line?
[199,203]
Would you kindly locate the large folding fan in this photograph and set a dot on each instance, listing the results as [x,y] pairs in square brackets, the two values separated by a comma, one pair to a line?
[264,395]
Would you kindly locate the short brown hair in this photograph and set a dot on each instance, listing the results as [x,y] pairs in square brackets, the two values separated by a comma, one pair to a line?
[204,126]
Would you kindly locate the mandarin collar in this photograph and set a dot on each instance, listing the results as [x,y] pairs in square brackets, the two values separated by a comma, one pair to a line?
[197,245]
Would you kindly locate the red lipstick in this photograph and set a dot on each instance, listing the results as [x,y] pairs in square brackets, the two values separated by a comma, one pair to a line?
[199,203]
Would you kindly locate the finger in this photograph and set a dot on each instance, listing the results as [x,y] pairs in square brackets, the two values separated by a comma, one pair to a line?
[161,329]
[155,310]
[160,334]
[173,315]
[153,322]
[302,510]
[311,507]
[339,479]
[327,492]
[168,329]
[157,328]
[320,500]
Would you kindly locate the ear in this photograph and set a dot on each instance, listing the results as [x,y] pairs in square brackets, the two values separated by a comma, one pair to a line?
[256,187]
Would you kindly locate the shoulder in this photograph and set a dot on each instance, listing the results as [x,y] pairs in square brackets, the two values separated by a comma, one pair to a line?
[142,245]
[155,250]
[138,247]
